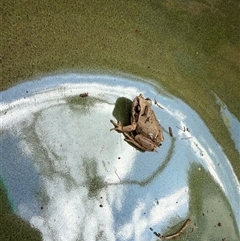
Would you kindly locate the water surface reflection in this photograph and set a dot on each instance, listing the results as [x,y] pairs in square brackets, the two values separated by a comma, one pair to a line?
[79,181]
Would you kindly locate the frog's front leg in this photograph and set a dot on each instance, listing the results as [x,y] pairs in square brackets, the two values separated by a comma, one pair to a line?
[121,128]
[141,142]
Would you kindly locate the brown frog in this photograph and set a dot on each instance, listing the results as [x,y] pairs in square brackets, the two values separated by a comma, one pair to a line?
[144,132]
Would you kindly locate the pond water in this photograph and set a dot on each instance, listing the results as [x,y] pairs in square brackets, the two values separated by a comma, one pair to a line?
[71,178]
[64,175]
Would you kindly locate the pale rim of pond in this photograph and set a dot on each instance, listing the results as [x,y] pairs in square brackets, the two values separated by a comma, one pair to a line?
[74,179]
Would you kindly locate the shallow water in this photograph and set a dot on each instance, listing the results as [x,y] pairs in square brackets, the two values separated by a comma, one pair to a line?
[74,179]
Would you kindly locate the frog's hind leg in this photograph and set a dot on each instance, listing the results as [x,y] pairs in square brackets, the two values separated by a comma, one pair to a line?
[132,141]
[121,128]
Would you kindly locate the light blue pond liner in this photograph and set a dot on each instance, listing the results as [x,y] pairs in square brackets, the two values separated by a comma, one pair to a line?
[71,178]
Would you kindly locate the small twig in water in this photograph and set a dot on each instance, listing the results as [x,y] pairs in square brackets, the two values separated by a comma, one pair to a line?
[184,138]
[170,131]
[180,128]
[118,176]
[184,129]
[156,103]
[178,233]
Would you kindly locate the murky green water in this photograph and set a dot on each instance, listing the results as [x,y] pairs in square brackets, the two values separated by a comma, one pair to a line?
[190,47]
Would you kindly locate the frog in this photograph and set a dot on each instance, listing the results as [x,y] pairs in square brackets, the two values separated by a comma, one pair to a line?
[144,131]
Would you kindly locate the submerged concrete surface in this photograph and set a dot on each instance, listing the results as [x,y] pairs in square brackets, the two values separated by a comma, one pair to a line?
[74,179]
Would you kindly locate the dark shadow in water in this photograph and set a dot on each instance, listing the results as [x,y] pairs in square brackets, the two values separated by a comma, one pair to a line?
[86,103]
[13,227]
[94,182]
[122,110]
